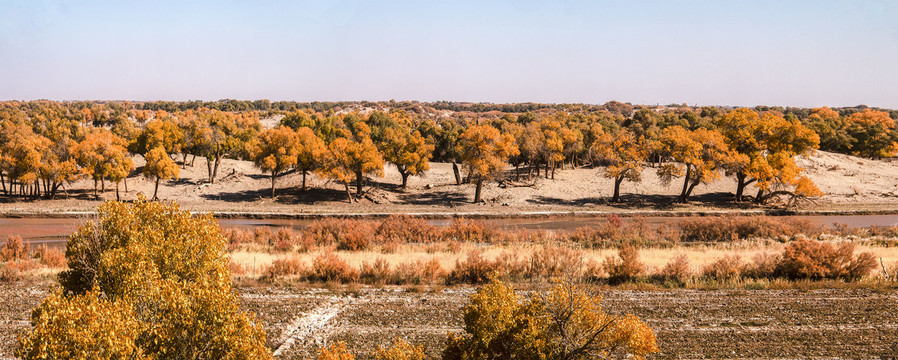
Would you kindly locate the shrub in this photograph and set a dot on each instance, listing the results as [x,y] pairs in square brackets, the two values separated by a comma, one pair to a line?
[509,265]
[808,259]
[473,270]
[376,272]
[336,351]
[14,249]
[400,350]
[418,272]
[464,230]
[283,240]
[331,267]
[678,269]
[406,229]
[763,266]
[49,257]
[168,266]
[625,265]
[284,267]
[552,261]
[726,267]
[732,228]
[567,323]
[262,235]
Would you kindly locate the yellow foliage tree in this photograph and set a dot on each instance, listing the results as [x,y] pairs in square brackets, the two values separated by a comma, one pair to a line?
[145,280]
[766,146]
[312,152]
[699,155]
[159,166]
[275,151]
[484,153]
[408,150]
[567,323]
[625,156]
[353,158]
[103,155]
[874,133]
[400,350]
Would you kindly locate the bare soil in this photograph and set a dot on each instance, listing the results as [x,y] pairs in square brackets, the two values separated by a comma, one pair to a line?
[689,324]
[850,183]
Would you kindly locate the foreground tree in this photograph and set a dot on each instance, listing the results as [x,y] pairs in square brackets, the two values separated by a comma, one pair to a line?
[275,151]
[145,281]
[160,167]
[484,152]
[566,324]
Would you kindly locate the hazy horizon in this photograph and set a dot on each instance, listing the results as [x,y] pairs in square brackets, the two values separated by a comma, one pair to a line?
[740,53]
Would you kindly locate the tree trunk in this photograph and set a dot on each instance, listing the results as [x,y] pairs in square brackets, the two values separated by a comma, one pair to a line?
[125,180]
[96,195]
[358,183]
[404,175]
[553,169]
[117,197]
[304,180]
[457,174]
[517,172]
[477,190]
[273,176]
[156,190]
[685,183]
[617,181]
[215,167]
[209,170]
[348,193]
[3,182]
[760,198]
[740,186]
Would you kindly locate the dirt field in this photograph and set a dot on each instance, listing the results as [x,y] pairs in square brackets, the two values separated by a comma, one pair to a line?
[849,182]
[689,324]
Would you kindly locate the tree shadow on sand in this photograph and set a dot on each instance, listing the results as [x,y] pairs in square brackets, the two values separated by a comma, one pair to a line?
[288,196]
[436,197]
[722,200]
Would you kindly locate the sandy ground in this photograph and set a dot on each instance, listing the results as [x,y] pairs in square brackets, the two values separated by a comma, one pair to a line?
[850,183]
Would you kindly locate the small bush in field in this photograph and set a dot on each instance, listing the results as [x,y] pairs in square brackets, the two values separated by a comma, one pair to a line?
[552,261]
[727,267]
[763,265]
[510,265]
[625,265]
[566,323]
[376,272]
[809,259]
[336,351]
[331,267]
[262,235]
[473,270]
[283,240]
[400,350]
[463,230]
[14,249]
[49,257]
[677,269]
[236,268]
[284,267]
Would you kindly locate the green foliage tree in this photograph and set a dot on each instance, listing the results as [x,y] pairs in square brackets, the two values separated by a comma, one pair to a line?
[145,281]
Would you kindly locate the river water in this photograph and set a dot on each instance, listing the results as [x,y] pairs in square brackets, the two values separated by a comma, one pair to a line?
[54,232]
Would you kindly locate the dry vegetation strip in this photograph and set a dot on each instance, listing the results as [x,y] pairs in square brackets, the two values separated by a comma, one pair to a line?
[825,323]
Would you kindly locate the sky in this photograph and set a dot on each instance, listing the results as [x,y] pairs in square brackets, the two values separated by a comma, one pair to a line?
[739,53]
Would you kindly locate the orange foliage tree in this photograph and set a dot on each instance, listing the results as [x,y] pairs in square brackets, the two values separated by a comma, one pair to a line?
[351,159]
[311,153]
[408,150]
[275,151]
[103,156]
[484,153]
[874,133]
[699,155]
[160,167]
[767,146]
[625,156]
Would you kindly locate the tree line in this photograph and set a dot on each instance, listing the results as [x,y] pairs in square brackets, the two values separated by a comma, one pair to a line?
[45,145]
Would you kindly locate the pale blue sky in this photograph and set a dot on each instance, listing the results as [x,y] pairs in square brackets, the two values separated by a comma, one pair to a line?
[799,53]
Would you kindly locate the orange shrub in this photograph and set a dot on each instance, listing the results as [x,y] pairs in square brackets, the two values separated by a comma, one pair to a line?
[375,272]
[553,261]
[284,267]
[336,351]
[625,265]
[418,272]
[808,259]
[14,249]
[763,265]
[262,235]
[464,230]
[331,267]
[49,257]
[406,229]
[732,228]
[474,269]
[727,267]
[678,269]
